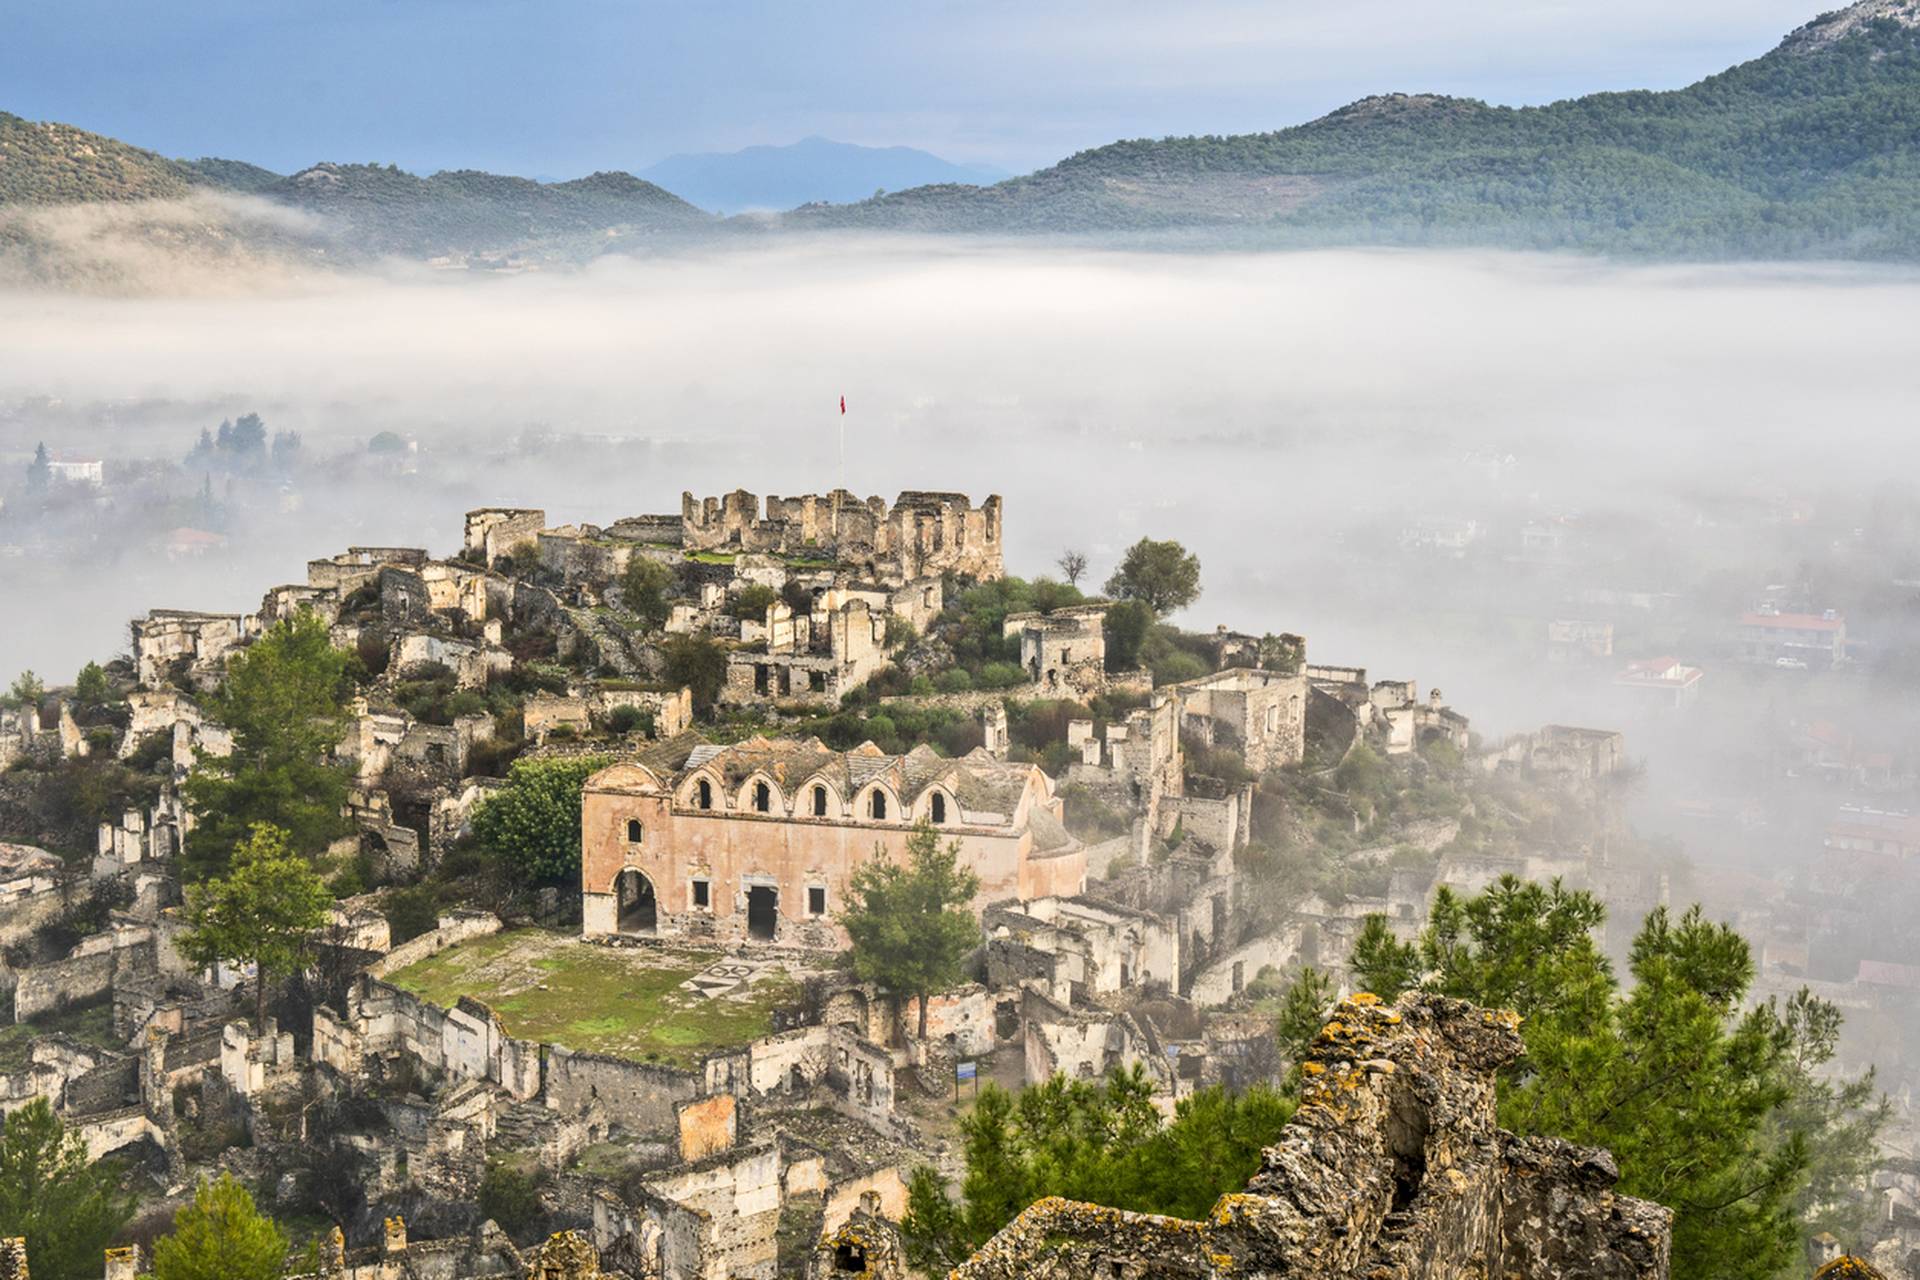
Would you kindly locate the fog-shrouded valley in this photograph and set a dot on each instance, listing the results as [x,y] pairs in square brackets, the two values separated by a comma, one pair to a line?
[1341,700]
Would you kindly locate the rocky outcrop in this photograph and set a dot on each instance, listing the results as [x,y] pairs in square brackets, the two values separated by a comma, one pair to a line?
[564,1256]
[1392,1169]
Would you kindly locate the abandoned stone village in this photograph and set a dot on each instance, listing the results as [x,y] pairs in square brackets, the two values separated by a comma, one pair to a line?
[673,1052]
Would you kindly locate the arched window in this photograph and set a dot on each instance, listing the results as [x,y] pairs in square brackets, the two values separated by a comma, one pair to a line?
[634,831]
[877,804]
[762,797]
[939,807]
[705,800]
[819,802]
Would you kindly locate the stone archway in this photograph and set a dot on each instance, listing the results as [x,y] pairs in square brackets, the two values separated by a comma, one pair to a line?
[638,910]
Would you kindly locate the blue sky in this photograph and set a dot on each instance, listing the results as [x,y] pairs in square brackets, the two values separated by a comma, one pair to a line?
[557,88]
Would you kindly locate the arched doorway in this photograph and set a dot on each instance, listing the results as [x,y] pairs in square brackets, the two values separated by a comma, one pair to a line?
[638,913]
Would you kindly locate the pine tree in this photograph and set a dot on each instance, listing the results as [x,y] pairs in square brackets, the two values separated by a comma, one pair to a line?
[221,1236]
[40,470]
[284,701]
[1303,1012]
[1382,963]
[911,926]
[265,912]
[66,1207]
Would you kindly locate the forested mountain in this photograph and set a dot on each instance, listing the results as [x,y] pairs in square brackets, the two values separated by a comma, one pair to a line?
[1812,149]
[366,209]
[59,164]
[389,210]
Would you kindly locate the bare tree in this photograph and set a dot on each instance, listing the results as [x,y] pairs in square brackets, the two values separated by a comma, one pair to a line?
[1073,565]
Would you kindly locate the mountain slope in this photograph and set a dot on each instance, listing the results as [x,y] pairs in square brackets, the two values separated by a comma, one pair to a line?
[1811,149]
[59,164]
[804,172]
[465,211]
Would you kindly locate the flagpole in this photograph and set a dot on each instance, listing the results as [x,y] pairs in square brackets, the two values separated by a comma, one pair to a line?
[843,468]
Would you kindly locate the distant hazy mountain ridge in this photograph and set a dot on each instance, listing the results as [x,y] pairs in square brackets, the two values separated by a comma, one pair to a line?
[804,172]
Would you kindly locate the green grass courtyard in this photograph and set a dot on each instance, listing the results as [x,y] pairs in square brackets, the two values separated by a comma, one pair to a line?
[625,1002]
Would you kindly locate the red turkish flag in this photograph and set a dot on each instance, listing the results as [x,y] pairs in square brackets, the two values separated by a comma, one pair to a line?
[843,404]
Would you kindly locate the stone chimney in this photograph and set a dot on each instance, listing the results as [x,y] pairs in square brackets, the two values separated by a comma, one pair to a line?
[123,1263]
[994,730]
[396,1242]
[13,1259]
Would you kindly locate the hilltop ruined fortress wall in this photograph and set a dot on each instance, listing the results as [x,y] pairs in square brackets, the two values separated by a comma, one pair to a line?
[1392,1169]
[921,535]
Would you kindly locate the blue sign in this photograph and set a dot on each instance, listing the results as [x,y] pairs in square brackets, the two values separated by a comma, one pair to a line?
[966,1070]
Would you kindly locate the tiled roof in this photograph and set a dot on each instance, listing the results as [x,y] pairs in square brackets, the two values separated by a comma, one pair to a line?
[988,790]
[1793,621]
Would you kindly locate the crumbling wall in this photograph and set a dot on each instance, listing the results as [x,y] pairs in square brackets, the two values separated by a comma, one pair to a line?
[639,1095]
[492,532]
[86,974]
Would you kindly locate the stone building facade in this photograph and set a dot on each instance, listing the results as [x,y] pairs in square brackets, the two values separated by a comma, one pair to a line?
[756,841]
[1064,652]
[1262,715]
[492,532]
[921,535]
[817,658]
[192,645]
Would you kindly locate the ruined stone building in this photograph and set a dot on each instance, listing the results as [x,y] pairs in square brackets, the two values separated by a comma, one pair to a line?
[28,733]
[1076,948]
[921,535]
[492,532]
[1064,653]
[1560,751]
[485,1255]
[1136,767]
[184,647]
[756,841]
[1260,715]
[1392,1169]
[819,658]
[1391,712]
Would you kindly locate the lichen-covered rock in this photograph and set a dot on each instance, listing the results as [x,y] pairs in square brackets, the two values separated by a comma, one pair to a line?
[1392,1169]
[865,1245]
[564,1256]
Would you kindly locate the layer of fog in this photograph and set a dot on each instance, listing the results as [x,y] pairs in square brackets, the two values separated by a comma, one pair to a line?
[1285,416]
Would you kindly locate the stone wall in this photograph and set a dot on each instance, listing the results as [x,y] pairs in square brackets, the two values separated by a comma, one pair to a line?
[87,974]
[1392,1169]
[640,1096]
[454,928]
[492,532]
[24,914]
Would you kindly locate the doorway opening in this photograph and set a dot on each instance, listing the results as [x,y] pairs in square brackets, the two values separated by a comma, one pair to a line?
[638,912]
[763,911]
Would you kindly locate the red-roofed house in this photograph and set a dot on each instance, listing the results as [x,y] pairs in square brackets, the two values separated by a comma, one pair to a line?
[1883,973]
[1817,641]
